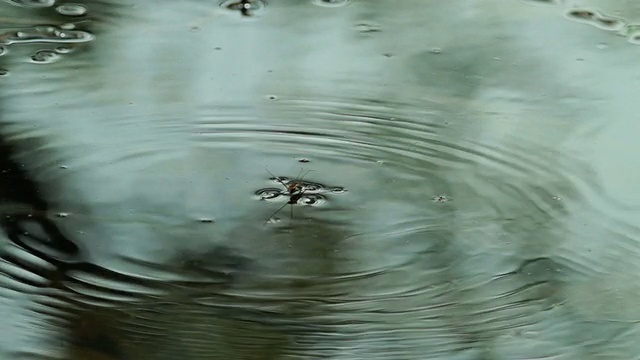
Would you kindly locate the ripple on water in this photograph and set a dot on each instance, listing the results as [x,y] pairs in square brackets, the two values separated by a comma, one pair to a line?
[35,4]
[331,3]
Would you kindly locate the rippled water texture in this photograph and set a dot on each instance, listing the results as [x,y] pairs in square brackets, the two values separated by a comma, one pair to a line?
[319,179]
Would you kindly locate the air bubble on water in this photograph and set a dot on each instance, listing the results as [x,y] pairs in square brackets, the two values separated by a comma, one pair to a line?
[70,9]
[32,3]
[45,57]
[331,3]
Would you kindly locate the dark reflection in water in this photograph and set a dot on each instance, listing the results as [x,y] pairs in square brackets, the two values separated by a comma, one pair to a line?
[487,150]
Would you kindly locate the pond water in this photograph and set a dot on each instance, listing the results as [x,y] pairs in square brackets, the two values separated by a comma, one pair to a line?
[319,179]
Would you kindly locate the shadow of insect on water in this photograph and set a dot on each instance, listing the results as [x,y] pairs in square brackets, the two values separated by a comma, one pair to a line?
[296,191]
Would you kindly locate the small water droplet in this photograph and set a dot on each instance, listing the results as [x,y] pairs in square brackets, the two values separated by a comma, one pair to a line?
[331,3]
[71,9]
[45,57]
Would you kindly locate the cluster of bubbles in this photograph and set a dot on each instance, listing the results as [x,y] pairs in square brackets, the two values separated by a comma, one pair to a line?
[66,36]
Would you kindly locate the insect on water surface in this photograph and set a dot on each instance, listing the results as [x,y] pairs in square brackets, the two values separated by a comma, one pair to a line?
[297,191]
[294,190]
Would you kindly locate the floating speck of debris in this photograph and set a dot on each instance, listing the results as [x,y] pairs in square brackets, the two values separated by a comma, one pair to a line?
[304,160]
[441,198]
[207,220]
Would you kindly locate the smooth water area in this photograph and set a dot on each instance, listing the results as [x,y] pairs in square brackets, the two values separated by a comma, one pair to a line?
[319,179]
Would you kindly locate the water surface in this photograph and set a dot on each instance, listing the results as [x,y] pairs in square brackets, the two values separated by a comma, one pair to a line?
[444,180]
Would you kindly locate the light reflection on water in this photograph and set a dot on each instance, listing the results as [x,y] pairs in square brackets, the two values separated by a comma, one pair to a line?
[485,148]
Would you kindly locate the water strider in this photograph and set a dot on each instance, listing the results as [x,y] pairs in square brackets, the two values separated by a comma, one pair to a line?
[297,191]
